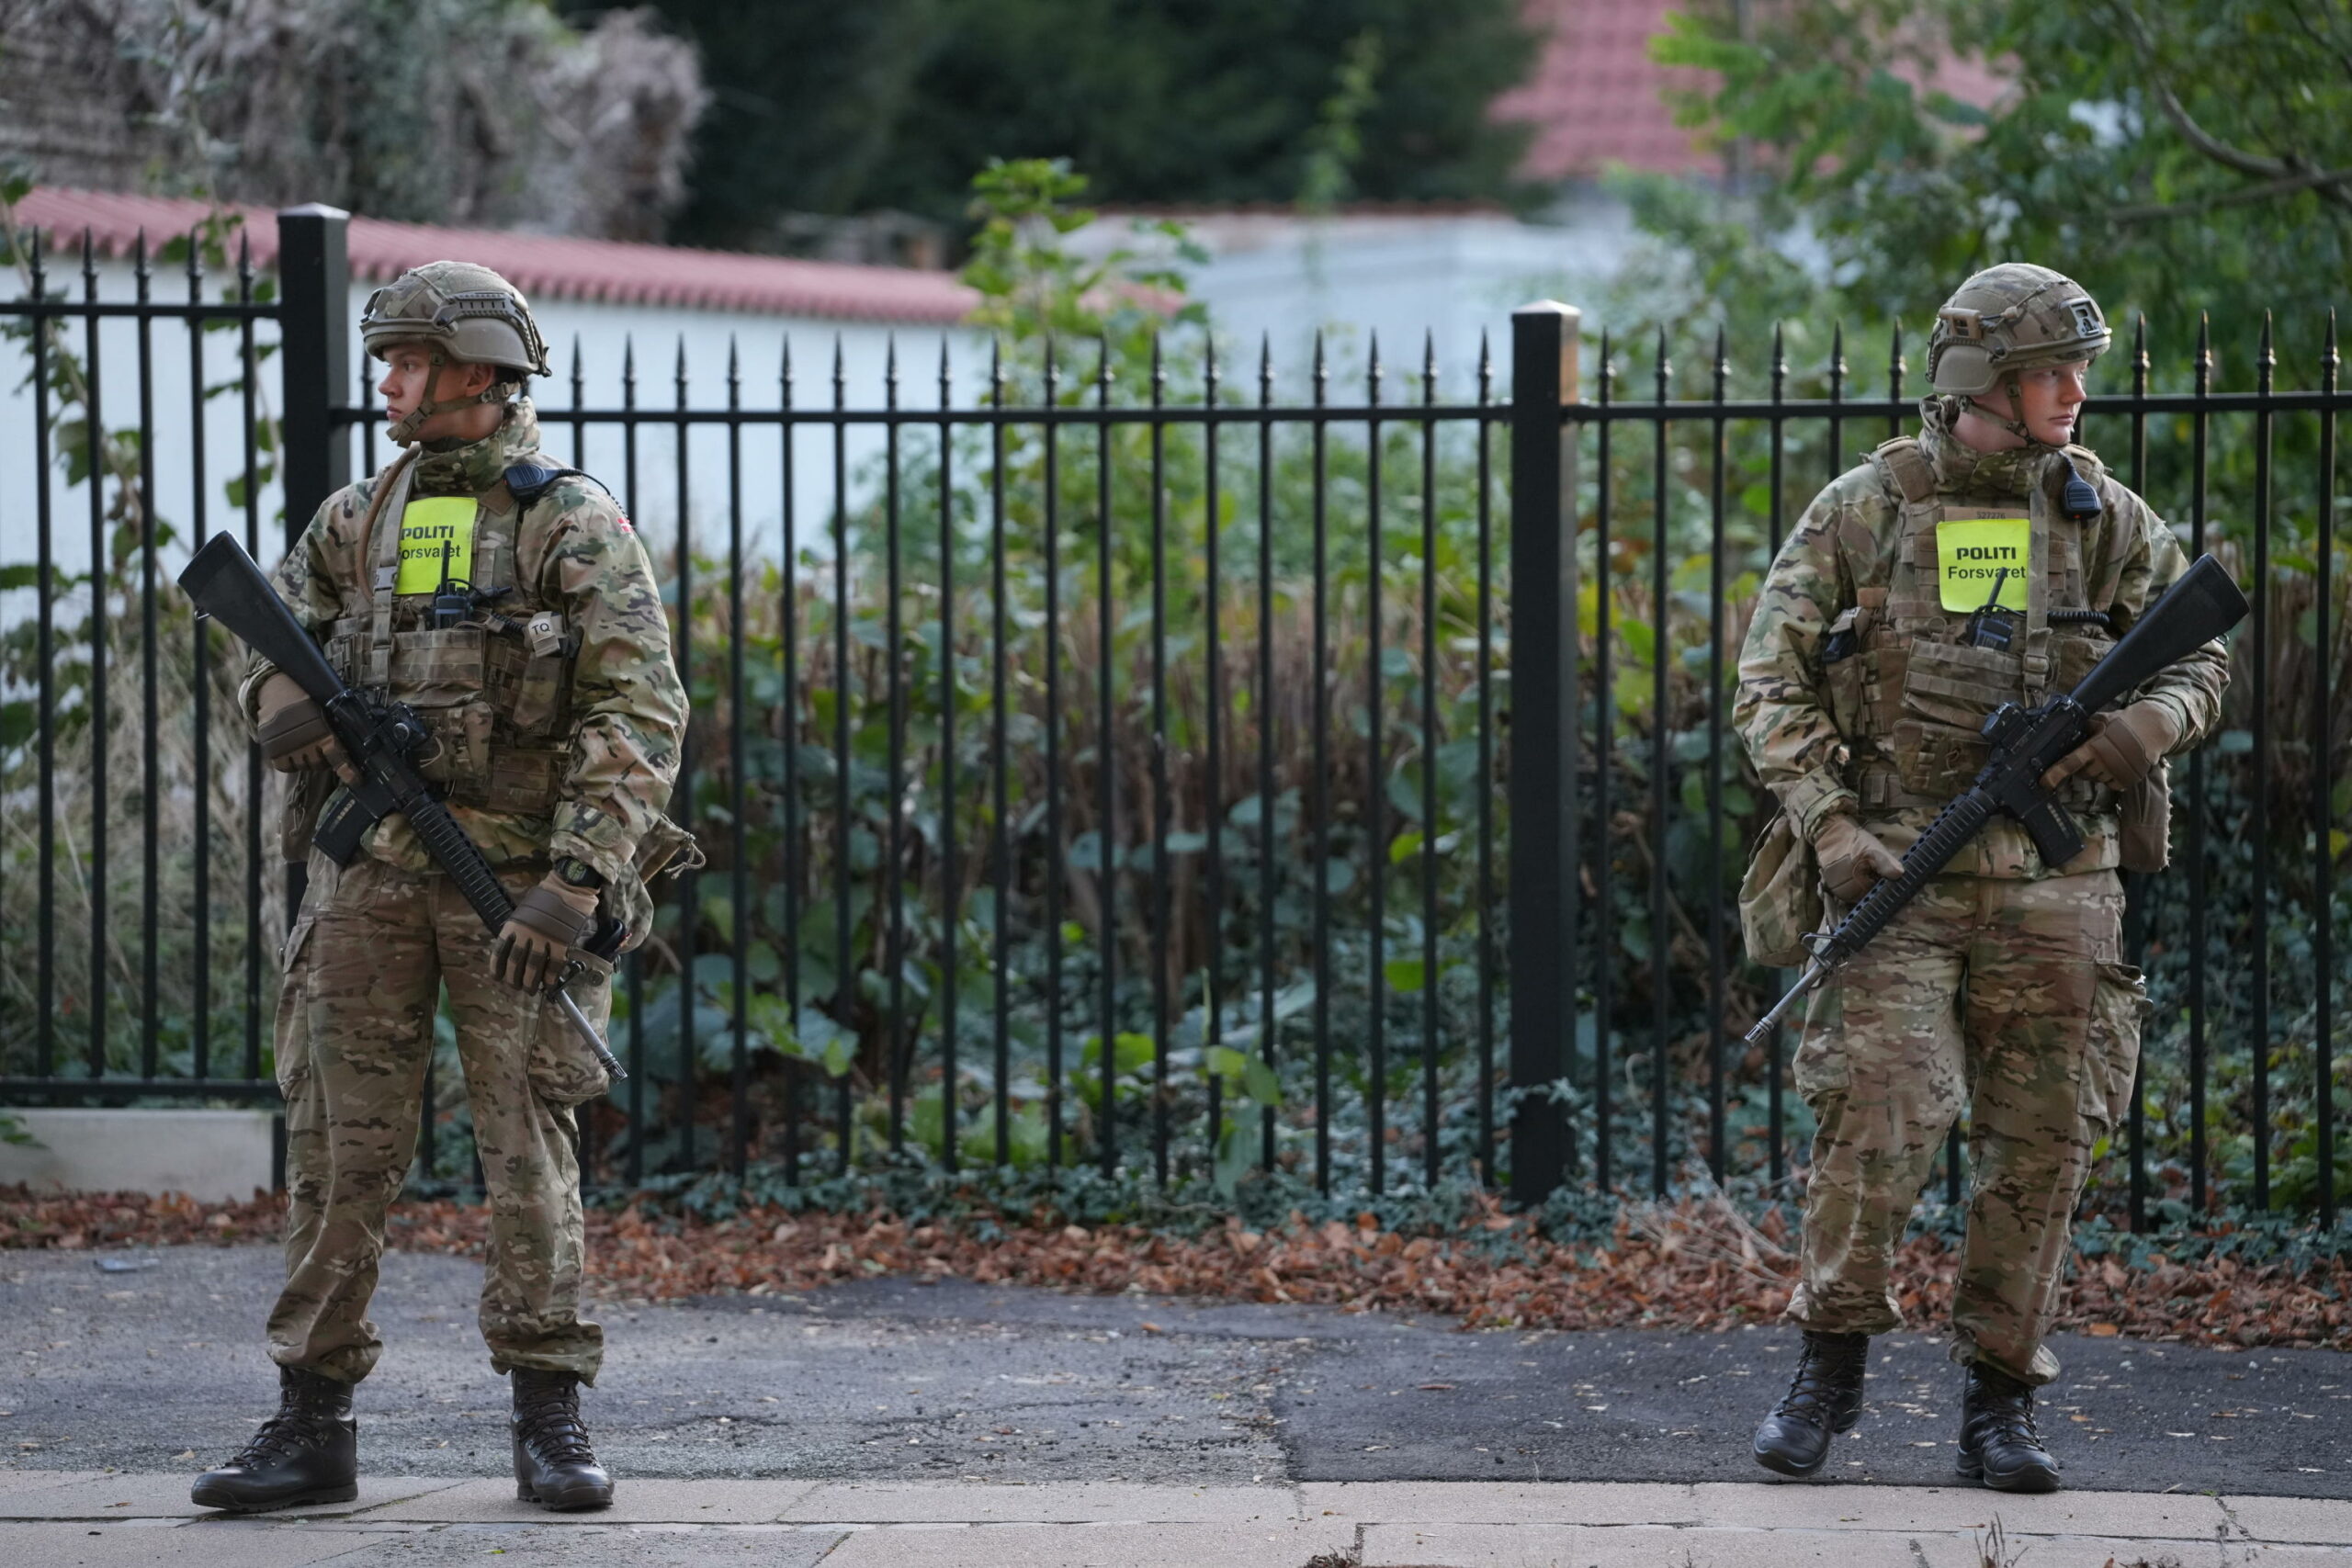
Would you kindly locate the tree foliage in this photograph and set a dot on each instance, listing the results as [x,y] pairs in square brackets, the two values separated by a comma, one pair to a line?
[2179,158]
[835,109]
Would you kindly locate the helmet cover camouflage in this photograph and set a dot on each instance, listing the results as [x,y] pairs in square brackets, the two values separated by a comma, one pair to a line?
[468,312]
[2010,318]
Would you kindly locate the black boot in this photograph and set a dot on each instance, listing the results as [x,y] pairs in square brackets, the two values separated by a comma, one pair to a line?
[554,1466]
[307,1453]
[1998,1443]
[1824,1399]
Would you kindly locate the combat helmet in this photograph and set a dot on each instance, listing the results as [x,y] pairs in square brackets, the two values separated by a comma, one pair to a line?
[465,314]
[2009,319]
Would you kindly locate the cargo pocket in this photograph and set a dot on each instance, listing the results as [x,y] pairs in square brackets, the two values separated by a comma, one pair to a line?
[288,1038]
[563,1068]
[2119,1007]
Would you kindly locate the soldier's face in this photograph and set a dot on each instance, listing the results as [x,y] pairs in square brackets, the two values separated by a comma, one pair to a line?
[409,371]
[2052,398]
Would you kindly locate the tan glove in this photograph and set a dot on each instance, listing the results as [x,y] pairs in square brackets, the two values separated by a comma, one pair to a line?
[1852,860]
[2124,747]
[292,730]
[548,922]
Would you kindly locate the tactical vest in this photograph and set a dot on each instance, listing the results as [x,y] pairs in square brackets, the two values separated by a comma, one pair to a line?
[1905,687]
[494,691]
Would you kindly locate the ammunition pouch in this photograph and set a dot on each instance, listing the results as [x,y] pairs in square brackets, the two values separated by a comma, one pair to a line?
[1780,898]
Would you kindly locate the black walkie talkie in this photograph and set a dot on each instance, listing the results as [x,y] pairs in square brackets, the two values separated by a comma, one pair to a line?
[1990,625]
[452,602]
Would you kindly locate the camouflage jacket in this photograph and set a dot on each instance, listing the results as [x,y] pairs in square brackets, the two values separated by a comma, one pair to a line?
[1855,690]
[542,749]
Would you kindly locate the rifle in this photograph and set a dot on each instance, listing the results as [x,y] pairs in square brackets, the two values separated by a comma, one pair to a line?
[2026,742]
[381,738]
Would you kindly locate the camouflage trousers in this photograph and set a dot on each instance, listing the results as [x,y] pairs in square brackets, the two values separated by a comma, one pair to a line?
[365,965]
[2003,996]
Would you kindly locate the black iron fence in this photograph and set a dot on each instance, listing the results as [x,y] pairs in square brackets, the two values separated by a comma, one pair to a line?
[1103,763]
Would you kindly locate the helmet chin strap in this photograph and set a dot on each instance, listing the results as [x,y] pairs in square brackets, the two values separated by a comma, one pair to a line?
[404,431]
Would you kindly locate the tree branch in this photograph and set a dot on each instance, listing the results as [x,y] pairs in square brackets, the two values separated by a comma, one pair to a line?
[2260,165]
[2322,181]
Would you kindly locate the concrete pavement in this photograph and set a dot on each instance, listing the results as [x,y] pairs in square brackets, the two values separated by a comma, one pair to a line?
[891,1425]
[76,1520]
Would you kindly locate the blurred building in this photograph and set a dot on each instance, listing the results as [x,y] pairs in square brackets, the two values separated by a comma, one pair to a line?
[682,317]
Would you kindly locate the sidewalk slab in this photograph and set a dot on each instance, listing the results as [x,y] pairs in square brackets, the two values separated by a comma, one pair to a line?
[179,1546]
[1804,1505]
[1634,1546]
[1500,1502]
[2309,1519]
[634,1502]
[1227,1545]
[14,1481]
[1076,1502]
[132,1497]
[595,1546]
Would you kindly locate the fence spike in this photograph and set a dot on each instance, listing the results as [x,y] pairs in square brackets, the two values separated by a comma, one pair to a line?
[2265,357]
[1159,372]
[734,363]
[2140,352]
[1487,366]
[89,263]
[2327,355]
[1102,367]
[245,262]
[1053,372]
[1372,370]
[1208,372]
[1428,365]
[1722,363]
[945,381]
[1895,365]
[195,263]
[1608,368]
[1265,368]
[783,370]
[2204,361]
[1320,374]
[1838,352]
[996,372]
[1665,366]
[841,381]
[1780,358]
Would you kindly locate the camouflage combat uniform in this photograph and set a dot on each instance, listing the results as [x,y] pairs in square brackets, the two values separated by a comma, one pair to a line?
[2002,988]
[545,746]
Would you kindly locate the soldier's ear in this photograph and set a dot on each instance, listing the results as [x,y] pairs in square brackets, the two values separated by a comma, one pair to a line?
[477,378]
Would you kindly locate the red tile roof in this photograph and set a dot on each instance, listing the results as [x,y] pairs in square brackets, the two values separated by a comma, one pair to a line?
[1594,98]
[544,266]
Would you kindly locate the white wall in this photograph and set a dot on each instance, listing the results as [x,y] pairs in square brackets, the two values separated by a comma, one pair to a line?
[601,332]
[1403,277]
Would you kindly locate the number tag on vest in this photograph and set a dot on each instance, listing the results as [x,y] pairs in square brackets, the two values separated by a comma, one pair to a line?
[1970,553]
[427,527]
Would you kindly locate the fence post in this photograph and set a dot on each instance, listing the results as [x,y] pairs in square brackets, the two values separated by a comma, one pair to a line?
[1541,792]
[315,326]
[314,365]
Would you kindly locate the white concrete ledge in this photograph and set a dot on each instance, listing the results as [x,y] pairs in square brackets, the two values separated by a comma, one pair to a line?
[215,1155]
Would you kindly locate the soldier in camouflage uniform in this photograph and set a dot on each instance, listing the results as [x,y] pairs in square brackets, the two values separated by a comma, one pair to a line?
[555,713]
[1919,592]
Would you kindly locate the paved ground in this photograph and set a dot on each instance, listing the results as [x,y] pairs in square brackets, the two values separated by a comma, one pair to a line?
[972,1396]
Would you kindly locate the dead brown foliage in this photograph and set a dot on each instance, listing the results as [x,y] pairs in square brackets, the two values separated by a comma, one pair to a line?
[1695,1266]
